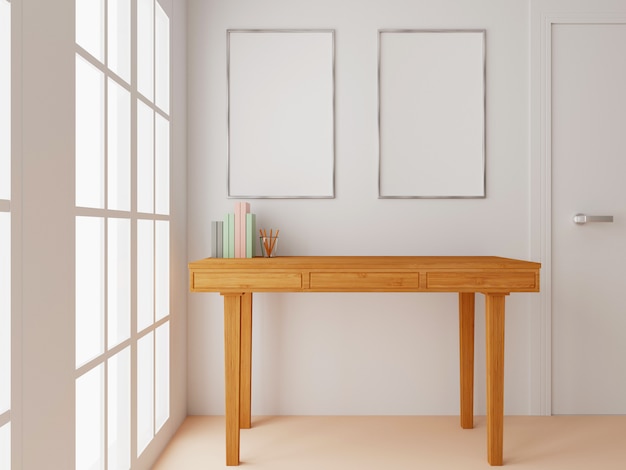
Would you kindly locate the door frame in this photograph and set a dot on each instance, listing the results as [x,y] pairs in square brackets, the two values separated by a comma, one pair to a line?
[542,22]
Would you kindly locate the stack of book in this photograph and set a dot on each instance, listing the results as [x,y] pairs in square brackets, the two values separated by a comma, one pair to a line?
[235,236]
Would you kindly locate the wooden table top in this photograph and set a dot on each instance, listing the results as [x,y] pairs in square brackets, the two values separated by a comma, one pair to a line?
[364,274]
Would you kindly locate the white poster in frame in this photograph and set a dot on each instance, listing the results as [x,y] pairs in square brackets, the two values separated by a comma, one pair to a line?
[281,141]
[431,98]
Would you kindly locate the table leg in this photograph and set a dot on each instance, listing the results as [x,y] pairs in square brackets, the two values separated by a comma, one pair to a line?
[232,355]
[494,319]
[245,410]
[466,349]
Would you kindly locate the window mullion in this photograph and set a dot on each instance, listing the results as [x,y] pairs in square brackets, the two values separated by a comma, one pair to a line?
[105,431]
[154,200]
[102,67]
[154,32]
[106,113]
[105,205]
[5,418]
[154,284]
[133,237]
[154,379]
[88,57]
[93,212]
[83,369]
[106,355]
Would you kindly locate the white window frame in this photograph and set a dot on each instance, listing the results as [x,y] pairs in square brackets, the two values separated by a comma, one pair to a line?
[134,216]
[11,417]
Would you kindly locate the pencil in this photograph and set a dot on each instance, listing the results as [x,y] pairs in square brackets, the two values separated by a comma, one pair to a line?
[273,240]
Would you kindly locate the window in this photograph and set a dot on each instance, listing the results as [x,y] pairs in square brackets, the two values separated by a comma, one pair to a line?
[5,235]
[122,229]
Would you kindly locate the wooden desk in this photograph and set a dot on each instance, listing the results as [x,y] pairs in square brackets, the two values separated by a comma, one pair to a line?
[237,279]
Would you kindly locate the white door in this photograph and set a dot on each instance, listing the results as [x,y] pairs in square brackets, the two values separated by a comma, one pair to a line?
[588,177]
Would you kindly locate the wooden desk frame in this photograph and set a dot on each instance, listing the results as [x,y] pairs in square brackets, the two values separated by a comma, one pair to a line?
[237,279]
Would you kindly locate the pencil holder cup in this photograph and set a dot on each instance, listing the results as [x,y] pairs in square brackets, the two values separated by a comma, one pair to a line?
[269,246]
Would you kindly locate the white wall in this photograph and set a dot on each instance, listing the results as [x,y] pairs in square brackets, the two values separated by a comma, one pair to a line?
[363,353]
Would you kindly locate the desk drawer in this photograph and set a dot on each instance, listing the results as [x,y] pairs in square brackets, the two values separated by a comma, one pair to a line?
[234,282]
[515,281]
[364,282]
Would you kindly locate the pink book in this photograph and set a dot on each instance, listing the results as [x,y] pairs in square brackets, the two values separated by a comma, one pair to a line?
[238,230]
[241,209]
[245,209]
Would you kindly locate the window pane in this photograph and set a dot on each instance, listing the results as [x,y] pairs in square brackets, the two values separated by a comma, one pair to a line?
[162,59]
[162,165]
[5,312]
[145,158]
[119,37]
[162,268]
[119,147]
[90,27]
[162,379]
[89,135]
[145,48]
[89,288]
[90,420]
[145,274]
[118,286]
[119,410]
[5,100]
[145,391]
[5,447]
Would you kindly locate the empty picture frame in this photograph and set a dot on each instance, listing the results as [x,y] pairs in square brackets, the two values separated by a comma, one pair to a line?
[431,98]
[281,141]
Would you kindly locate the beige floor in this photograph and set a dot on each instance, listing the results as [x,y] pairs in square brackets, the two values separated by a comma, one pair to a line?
[405,442]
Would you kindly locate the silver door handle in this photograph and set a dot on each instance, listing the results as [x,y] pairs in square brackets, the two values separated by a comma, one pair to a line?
[583,218]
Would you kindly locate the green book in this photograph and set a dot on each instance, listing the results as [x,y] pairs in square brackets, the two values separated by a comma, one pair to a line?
[225,237]
[250,235]
[231,235]
[227,247]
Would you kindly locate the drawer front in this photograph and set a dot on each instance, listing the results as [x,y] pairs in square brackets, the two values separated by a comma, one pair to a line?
[364,282]
[227,281]
[515,281]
